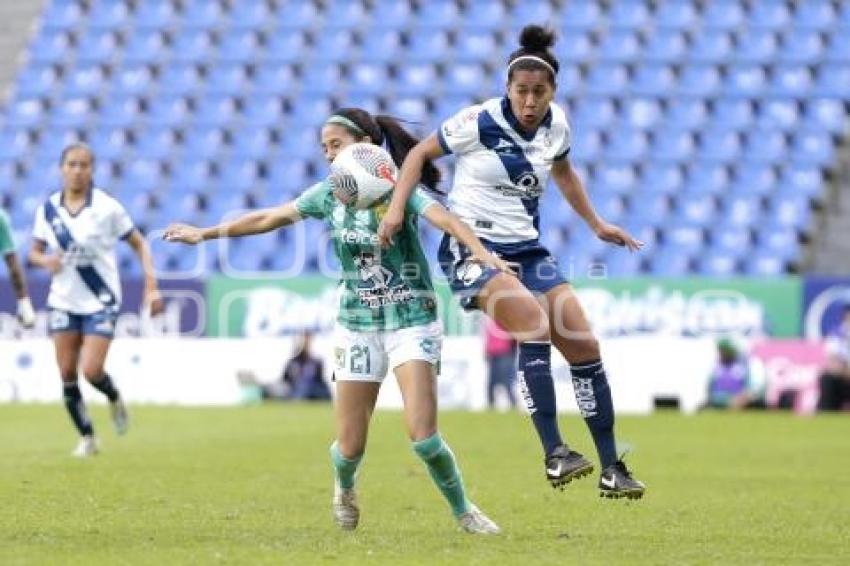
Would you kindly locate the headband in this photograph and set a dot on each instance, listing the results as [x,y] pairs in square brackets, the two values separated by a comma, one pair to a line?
[534,58]
[347,122]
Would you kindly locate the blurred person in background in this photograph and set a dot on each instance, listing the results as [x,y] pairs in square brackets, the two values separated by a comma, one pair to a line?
[74,238]
[733,383]
[25,312]
[500,353]
[304,374]
[397,332]
[506,149]
[834,381]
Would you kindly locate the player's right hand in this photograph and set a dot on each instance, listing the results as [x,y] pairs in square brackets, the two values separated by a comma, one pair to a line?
[184,233]
[26,314]
[389,227]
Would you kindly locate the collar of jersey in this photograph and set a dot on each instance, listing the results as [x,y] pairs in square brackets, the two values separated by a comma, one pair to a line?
[82,208]
[512,120]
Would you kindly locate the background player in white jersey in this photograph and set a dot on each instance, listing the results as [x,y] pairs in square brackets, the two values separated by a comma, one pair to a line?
[74,238]
[506,149]
[26,314]
[387,313]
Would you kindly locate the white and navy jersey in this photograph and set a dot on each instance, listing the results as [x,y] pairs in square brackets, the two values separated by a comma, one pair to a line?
[88,281]
[501,170]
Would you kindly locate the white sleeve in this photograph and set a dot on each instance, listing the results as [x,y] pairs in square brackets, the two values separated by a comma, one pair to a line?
[566,143]
[40,229]
[459,133]
[122,224]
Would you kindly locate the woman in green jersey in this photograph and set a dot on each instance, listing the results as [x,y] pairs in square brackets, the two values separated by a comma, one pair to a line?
[387,313]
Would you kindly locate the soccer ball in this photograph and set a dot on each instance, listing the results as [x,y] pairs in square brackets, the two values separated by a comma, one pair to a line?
[362,174]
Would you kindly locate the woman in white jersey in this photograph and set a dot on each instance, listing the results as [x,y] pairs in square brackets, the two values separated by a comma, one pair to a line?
[506,149]
[387,312]
[74,238]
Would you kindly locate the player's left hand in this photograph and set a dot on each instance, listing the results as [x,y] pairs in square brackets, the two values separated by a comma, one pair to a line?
[154,301]
[613,234]
[26,314]
[184,233]
[494,261]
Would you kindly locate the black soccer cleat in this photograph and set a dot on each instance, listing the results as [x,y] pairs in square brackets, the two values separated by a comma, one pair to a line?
[616,481]
[564,465]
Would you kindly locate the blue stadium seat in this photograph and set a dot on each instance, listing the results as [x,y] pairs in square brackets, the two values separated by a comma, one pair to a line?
[334,46]
[193,46]
[655,80]
[764,264]
[62,16]
[142,174]
[719,144]
[616,178]
[625,145]
[145,46]
[120,110]
[833,81]
[155,142]
[684,235]
[463,78]
[428,46]
[664,178]
[723,15]
[200,15]
[569,80]
[291,16]
[781,241]
[368,78]
[577,47]
[593,112]
[687,113]
[621,263]
[730,237]
[765,145]
[756,46]
[699,80]
[14,144]
[793,81]
[803,47]
[382,45]
[814,14]
[676,15]
[648,205]
[642,112]
[754,179]
[180,79]
[241,46]
[311,111]
[475,46]
[665,46]
[392,14]
[108,14]
[669,261]
[286,47]
[711,47]
[216,110]
[274,78]
[71,113]
[438,14]
[288,175]
[607,80]
[240,175]
[190,173]
[838,49]
[696,209]
[769,15]
[205,142]
[98,47]
[742,210]
[586,145]
[414,109]
[36,81]
[227,79]
[322,78]
[302,142]
[109,143]
[705,177]
[416,79]
[248,16]
[372,103]
[155,14]
[779,113]
[628,15]
[581,14]
[531,12]
[84,81]
[673,145]
[745,81]
[718,263]
[168,110]
[345,14]
[812,147]
[50,47]
[802,179]
[263,110]
[733,113]
[618,47]
[483,14]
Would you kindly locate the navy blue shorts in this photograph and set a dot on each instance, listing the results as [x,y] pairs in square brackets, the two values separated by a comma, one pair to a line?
[537,270]
[101,323]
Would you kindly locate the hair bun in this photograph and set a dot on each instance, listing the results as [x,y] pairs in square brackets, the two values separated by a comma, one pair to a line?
[536,38]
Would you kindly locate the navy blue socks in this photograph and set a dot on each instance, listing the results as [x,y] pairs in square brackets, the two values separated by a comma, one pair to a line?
[593,397]
[77,408]
[538,391]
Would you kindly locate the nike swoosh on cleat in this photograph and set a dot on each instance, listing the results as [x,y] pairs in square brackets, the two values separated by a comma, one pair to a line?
[609,483]
[556,471]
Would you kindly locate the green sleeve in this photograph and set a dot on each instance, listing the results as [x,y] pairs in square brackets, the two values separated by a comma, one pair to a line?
[7,241]
[418,202]
[313,201]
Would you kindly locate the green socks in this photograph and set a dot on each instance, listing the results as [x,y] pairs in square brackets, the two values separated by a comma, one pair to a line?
[441,464]
[344,468]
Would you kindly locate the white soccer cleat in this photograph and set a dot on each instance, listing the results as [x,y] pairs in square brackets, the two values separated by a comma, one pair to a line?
[346,511]
[476,522]
[120,417]
[86,447]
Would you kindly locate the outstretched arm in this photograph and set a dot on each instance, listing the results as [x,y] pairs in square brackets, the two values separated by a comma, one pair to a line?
[438,216]
[151,295]
[411,171]
[573,190]
[255,222]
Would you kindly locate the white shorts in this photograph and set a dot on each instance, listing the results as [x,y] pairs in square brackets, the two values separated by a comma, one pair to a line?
[367,356]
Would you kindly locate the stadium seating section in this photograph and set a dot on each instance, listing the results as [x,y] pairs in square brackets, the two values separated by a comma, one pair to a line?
[704,127]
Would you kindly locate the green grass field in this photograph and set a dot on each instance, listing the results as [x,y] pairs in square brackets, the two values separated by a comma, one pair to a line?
[253,485]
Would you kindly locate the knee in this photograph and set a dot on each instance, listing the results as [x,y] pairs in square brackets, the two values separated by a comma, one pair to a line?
[68,375]
[351,446]
[423,432]
[93,372]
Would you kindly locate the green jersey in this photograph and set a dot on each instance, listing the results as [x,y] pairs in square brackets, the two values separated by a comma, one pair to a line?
[380,289]
[7,241]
